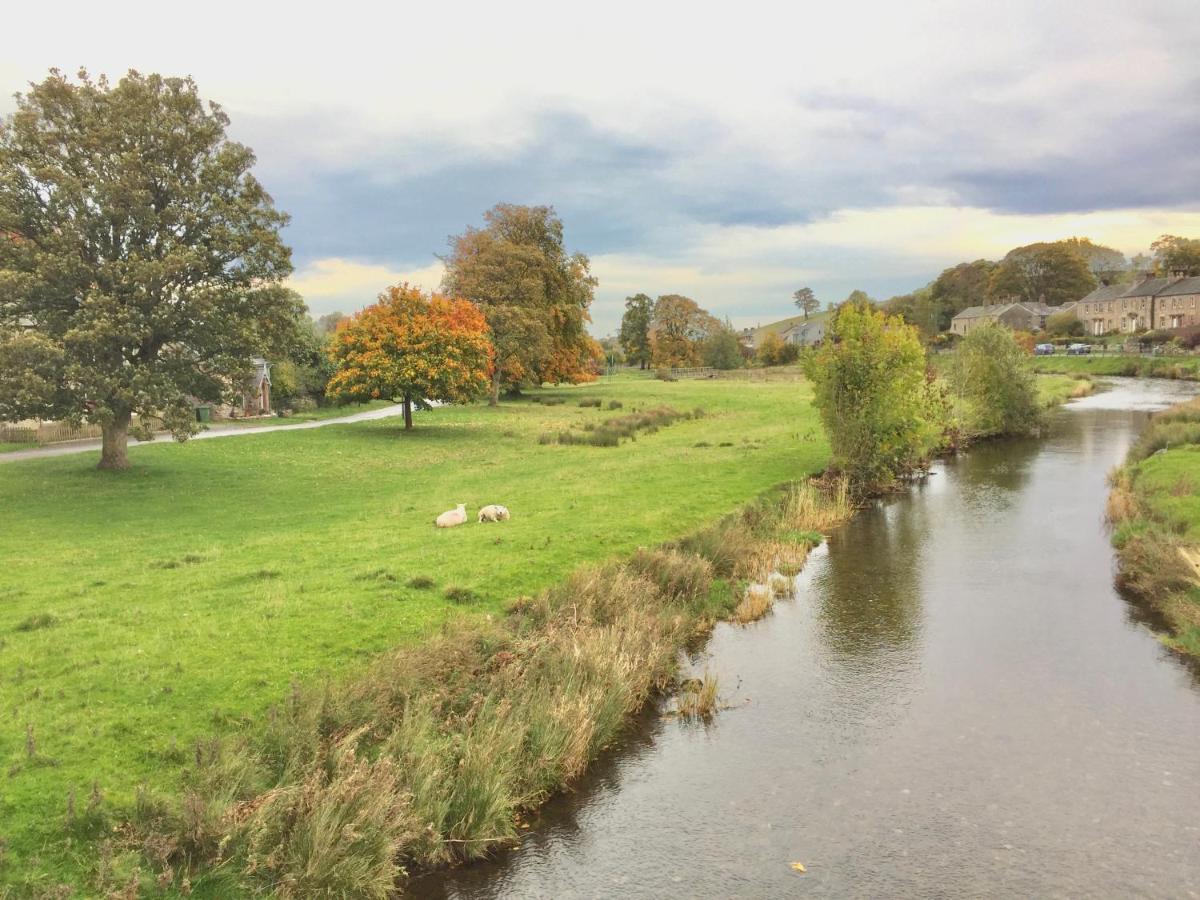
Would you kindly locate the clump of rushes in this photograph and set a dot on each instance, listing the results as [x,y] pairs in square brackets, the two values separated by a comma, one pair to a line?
[780,585]
[420,582]
[430,756]
[755,604]
[615,404]
[698,698]
[458,594]
[590,401]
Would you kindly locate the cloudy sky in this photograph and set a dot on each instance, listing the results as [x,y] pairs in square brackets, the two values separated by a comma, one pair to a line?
[732,154]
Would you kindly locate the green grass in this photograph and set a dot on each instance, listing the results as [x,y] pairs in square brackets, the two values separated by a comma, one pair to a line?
[184,597]
[10,447]
[1143,366]
[1169,482]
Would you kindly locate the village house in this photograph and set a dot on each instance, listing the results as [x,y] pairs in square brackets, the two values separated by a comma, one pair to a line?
[1147,303]
[805,334]
[1017,316]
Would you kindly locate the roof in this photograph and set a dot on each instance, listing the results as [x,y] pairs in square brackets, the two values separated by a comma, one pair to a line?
[995,310]
[1148,288]
[1183,286]
[977,312]
[1106,292]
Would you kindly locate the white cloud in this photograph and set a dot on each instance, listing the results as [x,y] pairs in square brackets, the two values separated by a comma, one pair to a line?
[345,285]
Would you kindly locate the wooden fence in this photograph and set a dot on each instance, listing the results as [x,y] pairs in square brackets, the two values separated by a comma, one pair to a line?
[47,433]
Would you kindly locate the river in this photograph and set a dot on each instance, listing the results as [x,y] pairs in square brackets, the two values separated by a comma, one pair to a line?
[956,703]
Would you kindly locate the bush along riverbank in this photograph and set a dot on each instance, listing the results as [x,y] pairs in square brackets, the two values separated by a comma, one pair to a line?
[1154,508]
[432,756]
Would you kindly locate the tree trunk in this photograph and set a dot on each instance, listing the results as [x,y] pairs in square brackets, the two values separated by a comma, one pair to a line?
[114,444]
[494,396]
[407,412]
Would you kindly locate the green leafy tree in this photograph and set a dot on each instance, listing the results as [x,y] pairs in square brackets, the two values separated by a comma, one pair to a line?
[722,350]
[140,255]
[869,385]
[1107,265]
[958,288]
[1176,255]
[534,294]
[989,370]
[807,301]
[1052,273]
[635,329]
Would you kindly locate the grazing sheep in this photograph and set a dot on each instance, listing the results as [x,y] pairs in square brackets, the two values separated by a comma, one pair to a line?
[450,518]
[493,513]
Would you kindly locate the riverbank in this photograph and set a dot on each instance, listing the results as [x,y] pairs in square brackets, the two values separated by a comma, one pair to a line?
[145,613]
[1154,507]
[1176,367]
[432,756]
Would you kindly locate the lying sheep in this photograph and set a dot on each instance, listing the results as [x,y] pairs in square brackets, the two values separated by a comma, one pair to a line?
[450,518]
[493,513]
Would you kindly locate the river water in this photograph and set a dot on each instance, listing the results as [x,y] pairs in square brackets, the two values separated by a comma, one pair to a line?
[957,703]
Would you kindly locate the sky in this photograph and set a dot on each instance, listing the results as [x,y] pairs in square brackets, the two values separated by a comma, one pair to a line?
[731,152]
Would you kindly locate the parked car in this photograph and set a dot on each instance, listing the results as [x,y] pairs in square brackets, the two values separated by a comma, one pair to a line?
[1079,350]
[1044,350]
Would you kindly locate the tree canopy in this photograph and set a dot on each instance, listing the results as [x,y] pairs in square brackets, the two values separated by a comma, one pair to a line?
[1051,273]
[635,329]
[411,347]
[678,330]
[722,349]
[140,256]
[806,301]
[989,368]
[534,294]
[1176,255]
[869,385]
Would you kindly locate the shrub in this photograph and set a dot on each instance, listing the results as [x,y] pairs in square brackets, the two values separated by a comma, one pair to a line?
[614,404]
[590,402]
[664,375]
[989,368]
[869,385]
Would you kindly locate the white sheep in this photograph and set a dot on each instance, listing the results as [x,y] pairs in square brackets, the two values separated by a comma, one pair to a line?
[493,513]
[450,518]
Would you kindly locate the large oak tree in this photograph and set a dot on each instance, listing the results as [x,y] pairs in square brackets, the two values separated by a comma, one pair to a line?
[1051,273]
[140,260]
[534,294]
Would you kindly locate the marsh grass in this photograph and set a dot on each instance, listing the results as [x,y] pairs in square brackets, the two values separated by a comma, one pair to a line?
[613,430]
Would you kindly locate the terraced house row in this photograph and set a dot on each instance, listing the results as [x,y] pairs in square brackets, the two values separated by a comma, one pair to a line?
[1147,303]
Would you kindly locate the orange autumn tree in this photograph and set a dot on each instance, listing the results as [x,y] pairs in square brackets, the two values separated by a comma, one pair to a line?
[414,348]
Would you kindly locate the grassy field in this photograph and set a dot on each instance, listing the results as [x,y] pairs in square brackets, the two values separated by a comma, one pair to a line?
[142,611]
[1186,367]
[1155,509]
[9,446]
